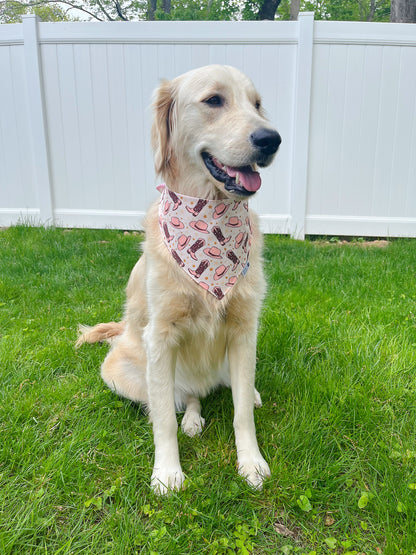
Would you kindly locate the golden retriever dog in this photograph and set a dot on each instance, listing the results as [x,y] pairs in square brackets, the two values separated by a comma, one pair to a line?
[194,296]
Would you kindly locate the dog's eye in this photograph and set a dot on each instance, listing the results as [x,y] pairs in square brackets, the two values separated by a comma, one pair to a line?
[258,104]
[215,100]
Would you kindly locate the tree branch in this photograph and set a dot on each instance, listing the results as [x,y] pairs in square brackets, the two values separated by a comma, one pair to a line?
[66,2]
[119,11]
[108,16]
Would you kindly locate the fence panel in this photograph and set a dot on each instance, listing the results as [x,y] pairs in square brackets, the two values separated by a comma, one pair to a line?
[75,119]
[17,170]
[362,178]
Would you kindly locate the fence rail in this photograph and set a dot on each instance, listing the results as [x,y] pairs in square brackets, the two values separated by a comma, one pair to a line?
[75,119]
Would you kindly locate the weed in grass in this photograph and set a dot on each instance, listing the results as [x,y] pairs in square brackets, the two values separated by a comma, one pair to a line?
[336,367]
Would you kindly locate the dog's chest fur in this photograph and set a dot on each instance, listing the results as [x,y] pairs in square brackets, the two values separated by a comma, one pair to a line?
[194,321]
[202,362]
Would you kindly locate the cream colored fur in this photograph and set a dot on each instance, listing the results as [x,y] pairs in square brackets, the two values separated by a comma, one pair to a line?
[177,342]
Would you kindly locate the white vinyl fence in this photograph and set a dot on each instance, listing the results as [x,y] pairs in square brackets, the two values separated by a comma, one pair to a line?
[75,119]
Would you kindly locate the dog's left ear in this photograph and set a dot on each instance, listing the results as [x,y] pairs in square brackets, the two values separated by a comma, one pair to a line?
[163,124]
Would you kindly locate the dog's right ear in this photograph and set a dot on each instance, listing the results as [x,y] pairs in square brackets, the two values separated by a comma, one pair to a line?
[163,124]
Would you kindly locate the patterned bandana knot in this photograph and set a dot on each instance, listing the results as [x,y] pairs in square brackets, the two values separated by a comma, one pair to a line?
[209,239]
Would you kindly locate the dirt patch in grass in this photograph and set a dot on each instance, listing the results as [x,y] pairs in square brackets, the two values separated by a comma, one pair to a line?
[377,243]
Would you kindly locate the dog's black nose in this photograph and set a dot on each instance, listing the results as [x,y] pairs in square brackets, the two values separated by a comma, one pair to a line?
[266,140]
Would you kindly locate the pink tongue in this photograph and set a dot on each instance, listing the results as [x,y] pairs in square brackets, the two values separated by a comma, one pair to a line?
[249,179]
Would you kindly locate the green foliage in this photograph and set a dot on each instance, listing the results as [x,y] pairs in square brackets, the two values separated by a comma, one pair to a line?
[251,9]
[304,503]
[365,498]
[52,12]
[49,10]
[200,10]
[12,11]
[349,10]
[336,364]
[130,10]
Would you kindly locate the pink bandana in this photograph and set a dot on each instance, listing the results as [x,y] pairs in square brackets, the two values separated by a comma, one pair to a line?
[209,239]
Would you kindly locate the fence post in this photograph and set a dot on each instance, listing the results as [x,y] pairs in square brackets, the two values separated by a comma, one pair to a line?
[34,81]
[301,125]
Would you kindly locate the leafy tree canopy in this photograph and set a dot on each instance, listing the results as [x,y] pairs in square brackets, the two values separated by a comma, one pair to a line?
[11,11]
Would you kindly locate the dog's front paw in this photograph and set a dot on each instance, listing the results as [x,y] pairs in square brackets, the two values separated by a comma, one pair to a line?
[167,479]
[192,423]
[254,471]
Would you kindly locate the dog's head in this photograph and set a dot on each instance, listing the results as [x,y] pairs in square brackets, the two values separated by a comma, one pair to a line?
[210,134]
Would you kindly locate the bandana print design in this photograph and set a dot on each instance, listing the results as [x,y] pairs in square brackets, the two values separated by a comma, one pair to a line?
[209,239]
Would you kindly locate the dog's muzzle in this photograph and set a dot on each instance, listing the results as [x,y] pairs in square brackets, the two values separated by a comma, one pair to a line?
[244,181]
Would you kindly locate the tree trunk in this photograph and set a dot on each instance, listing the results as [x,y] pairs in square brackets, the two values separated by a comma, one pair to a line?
[403,11]
[151,9]
[294,9]
[370,16]
[166,6]
[268,9]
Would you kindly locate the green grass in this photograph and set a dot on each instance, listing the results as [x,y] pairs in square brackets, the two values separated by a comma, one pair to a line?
[337,374]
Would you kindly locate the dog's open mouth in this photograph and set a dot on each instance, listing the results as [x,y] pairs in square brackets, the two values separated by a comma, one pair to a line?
[243,181]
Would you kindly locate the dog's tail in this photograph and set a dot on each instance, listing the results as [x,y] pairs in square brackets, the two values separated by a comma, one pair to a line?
[100,332]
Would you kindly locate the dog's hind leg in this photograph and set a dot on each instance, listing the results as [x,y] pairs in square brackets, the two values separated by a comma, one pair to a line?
[124,371]
[192,421]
